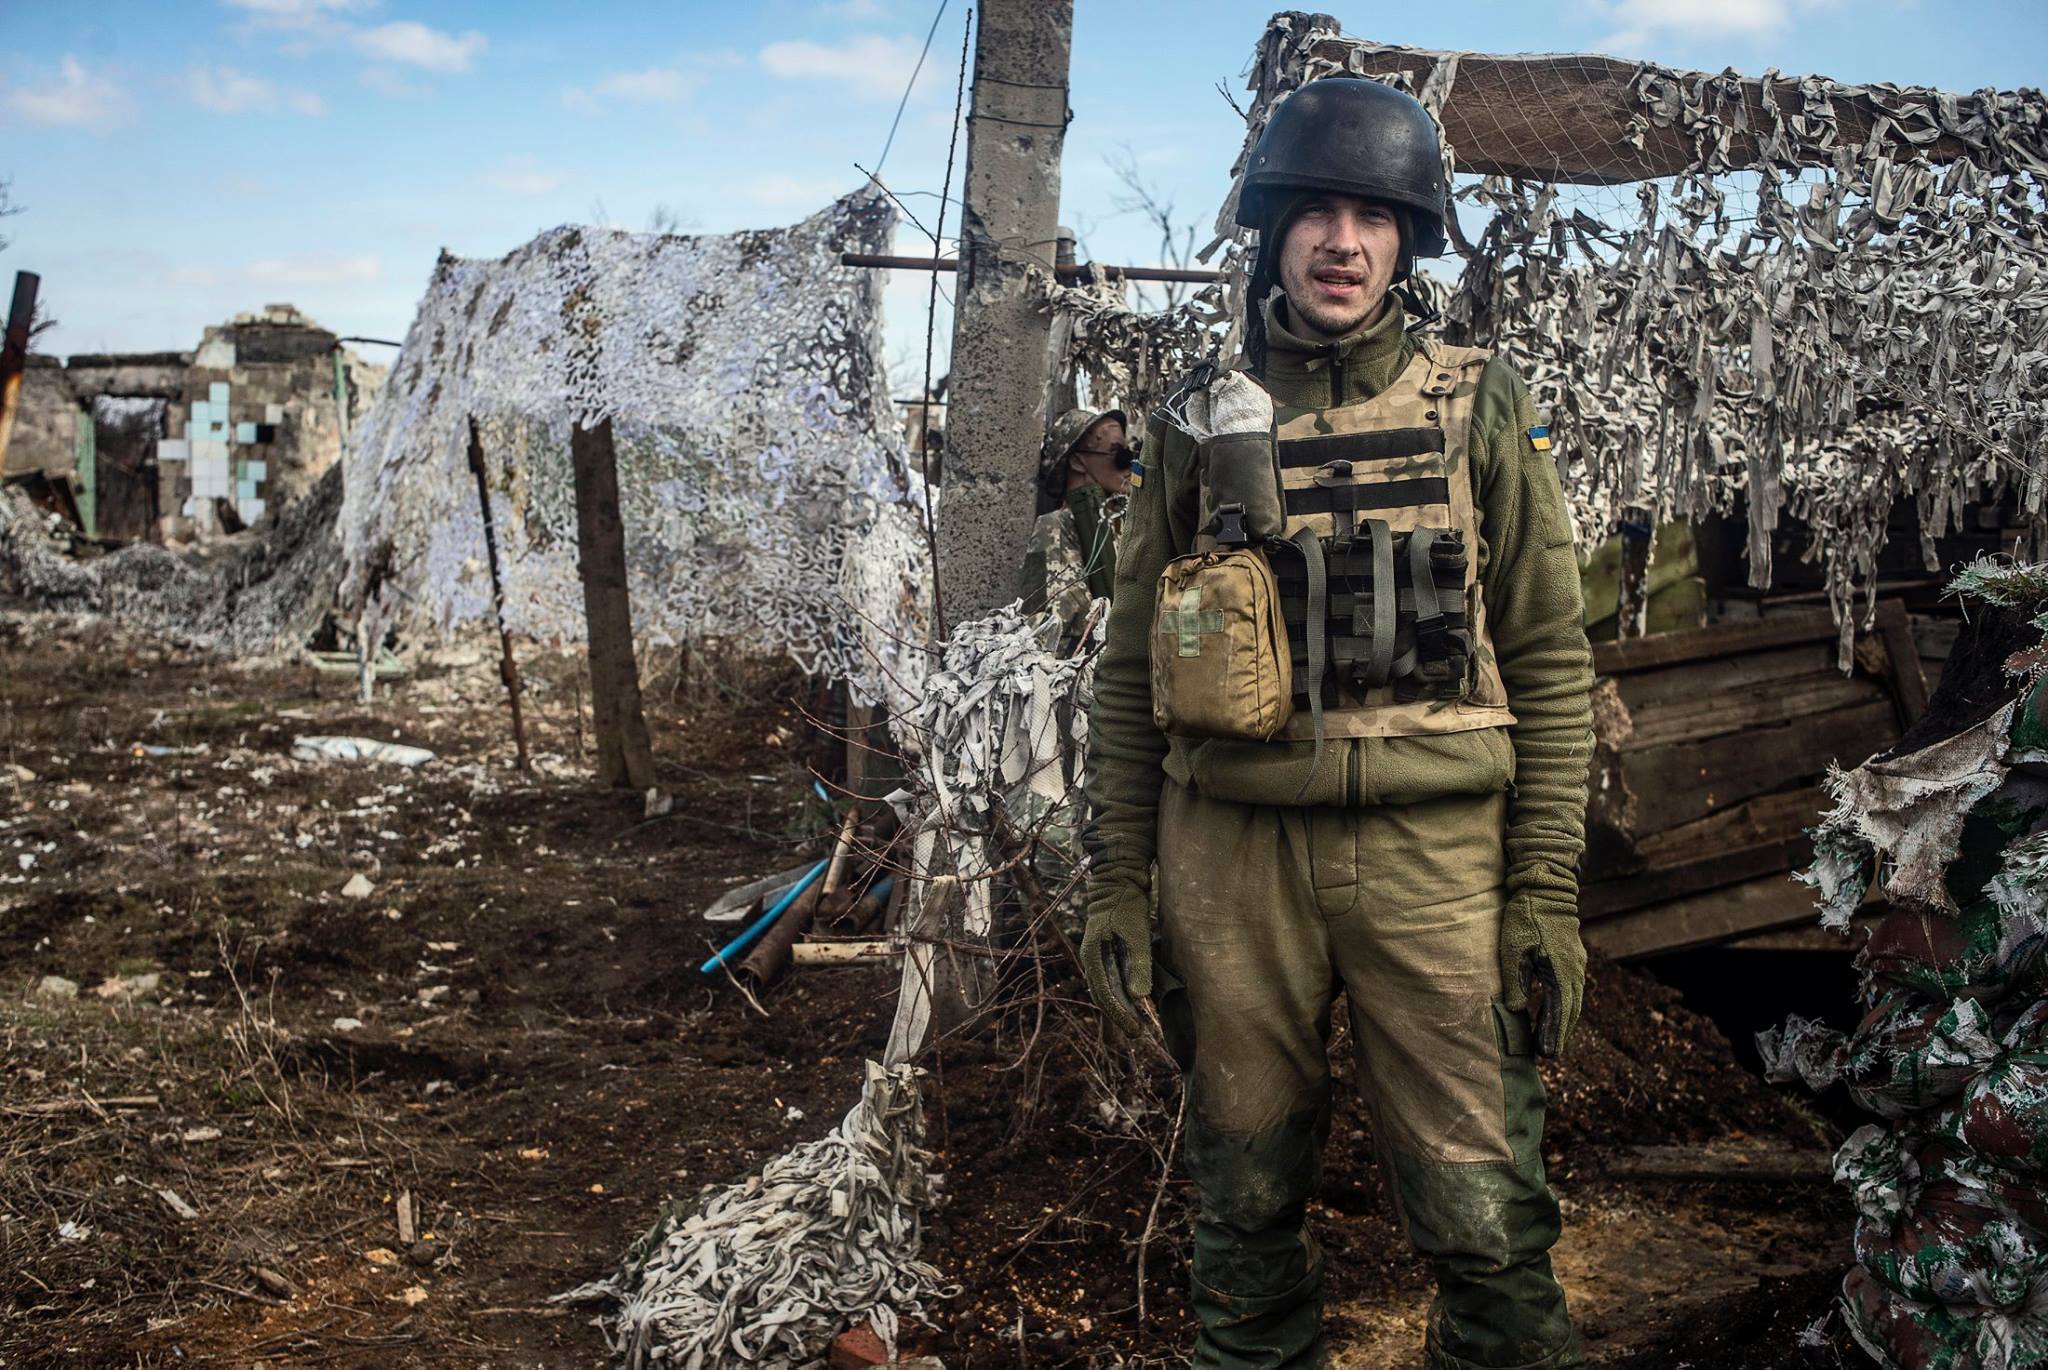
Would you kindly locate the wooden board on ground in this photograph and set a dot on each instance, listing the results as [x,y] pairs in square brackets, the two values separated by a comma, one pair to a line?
[1723,1161]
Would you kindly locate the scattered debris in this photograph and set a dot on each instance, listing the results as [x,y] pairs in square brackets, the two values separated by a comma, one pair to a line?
[176,1204]
[359,749]
[128,986]
[56,987]
[358,887]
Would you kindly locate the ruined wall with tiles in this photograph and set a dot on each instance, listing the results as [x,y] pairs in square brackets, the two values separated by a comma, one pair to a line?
[249,419]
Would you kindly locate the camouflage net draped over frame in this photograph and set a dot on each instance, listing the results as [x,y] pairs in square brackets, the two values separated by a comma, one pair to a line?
[1794,303]
[766,493]
[1952,1049]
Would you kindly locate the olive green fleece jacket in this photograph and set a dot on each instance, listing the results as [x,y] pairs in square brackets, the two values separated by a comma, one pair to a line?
[1531,579]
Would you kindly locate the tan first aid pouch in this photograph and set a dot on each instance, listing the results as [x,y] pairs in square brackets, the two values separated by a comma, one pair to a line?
[1220,661]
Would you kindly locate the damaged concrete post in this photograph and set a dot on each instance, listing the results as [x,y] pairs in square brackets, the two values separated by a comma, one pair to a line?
[1010,222]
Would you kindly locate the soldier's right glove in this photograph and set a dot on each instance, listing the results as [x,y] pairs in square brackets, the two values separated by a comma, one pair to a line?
[1116,950]
[1543,966]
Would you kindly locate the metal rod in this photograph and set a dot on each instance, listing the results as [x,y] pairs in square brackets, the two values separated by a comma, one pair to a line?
[1129,273]
[508,665]
[381,342]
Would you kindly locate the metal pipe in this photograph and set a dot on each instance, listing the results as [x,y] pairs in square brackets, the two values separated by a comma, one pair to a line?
[766,920]
[1063,271]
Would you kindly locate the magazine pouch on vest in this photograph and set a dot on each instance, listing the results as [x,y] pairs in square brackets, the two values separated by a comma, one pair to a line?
[1378,569]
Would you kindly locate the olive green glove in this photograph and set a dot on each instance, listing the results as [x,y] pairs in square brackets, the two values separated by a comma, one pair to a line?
[1541,958]
[1116,950]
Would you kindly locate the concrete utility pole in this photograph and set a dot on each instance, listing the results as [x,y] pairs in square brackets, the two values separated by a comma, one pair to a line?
[995,421]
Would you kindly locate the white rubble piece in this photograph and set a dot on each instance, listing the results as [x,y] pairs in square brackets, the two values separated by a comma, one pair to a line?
[359,749]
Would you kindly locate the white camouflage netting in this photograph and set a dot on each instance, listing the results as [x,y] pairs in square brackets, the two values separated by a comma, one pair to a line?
[765,1271]
[1814,314]
[766,491]
[996,748]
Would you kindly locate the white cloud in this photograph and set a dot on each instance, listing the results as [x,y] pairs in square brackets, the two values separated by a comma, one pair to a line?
[659,85]
[1638,22]
[522,176]
[295,14]
[409,43]
[874,66]
[778,191]
[651,86]
[385,81]
[227,91]
[308,271]
[74,96]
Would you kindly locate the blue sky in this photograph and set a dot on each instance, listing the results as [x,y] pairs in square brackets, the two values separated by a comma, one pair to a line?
[181,160]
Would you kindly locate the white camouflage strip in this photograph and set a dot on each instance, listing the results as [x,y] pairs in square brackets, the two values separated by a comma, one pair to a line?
[765,1272]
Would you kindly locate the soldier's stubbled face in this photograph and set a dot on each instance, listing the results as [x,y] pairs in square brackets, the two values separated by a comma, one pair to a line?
[1336,261]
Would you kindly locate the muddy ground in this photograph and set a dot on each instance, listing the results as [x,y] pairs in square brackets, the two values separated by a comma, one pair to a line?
[509,1031]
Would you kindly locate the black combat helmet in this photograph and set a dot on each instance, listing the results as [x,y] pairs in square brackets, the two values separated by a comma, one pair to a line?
[1356,137]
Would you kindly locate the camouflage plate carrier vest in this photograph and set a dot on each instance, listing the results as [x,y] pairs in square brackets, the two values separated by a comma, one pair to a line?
[1380,494]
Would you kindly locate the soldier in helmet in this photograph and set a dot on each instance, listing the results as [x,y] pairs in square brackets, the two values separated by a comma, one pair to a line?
[1409,833]
[1084,466]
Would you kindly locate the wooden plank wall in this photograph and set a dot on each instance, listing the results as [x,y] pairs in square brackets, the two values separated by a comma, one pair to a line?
[1709,751]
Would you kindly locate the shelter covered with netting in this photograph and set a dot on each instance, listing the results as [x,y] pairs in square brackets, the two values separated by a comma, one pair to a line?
[766,493]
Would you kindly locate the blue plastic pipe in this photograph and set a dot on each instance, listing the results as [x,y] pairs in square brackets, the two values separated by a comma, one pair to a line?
[765,921]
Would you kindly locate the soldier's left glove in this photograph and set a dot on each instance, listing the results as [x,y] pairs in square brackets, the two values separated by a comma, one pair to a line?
[1543,966]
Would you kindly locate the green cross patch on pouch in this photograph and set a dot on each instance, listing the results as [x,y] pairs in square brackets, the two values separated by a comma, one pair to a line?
[1191,620]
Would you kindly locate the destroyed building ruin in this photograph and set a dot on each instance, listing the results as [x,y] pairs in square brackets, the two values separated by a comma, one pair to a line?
[168,446]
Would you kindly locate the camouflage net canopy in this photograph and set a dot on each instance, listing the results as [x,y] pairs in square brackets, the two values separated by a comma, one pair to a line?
[1788,292]
[1952,1050]
[766,493]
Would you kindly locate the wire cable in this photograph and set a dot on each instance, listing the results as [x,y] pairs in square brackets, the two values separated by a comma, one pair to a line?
[890,141]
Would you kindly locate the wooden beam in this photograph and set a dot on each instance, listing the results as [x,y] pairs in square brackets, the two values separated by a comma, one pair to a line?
[1703,920]
[1709,870]
[14,356]
[1723,639]
[1758,822]
[1647,690]
[1764,705]
[1683,781]
[1909,682]
[1577,117]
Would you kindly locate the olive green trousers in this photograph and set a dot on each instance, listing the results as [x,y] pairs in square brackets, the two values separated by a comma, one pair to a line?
[1265,913]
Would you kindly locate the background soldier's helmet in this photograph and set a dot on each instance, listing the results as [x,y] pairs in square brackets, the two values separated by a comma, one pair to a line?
[1356,137]
[1061,437]
[1066,432]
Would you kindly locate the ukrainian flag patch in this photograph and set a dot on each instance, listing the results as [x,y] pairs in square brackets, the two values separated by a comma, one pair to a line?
[1539,438]
[1137,478]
